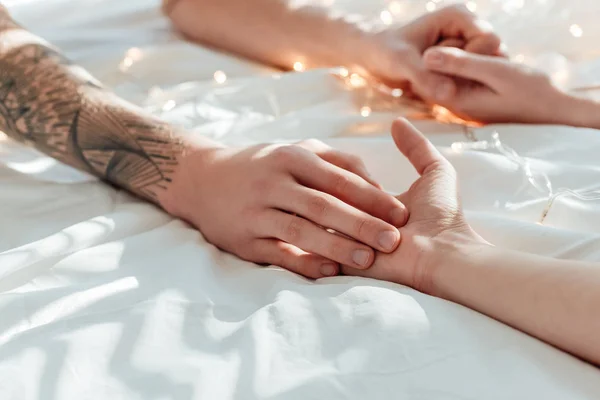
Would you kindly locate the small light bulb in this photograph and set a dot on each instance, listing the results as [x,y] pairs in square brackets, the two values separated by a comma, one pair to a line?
[397,92]
[343,72]
[365,111]
[169,105]
[430,6]
[220,77]
[298,66]
[357,81]
[386,17]
[126,63]
[576,31]
[134,53]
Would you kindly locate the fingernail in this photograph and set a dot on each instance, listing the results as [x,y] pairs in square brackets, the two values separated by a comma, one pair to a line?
[398,217]
[388,239]
[361,257]
[444,90]
[435,59]
[328,269]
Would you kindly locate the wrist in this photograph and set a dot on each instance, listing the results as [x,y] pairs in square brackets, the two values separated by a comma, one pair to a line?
[446,253]
[367,52]
[193,162]
[349,41]
[578,111]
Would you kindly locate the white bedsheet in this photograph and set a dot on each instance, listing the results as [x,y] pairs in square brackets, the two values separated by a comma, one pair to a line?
[102,296]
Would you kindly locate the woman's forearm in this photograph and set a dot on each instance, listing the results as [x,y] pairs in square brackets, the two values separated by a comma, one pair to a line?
[62,111]
[579,111]
[556,301]
[277,32]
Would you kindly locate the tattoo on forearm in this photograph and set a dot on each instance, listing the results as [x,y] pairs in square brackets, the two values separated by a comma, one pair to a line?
[44,102]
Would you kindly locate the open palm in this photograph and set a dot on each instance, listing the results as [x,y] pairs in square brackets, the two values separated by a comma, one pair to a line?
[436,217]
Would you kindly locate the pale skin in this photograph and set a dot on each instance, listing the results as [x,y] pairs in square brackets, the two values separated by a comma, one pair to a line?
[282,32]
[492,89]
[556,301]
[487,89]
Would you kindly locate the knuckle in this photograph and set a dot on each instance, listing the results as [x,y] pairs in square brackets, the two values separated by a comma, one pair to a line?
[286,154]
[487,44]
[362,227]
[541,77]
[491,39]
[340,183]
[245,251]
[457,63]
[336,250]
[355,160]
[253,216]
[292,231]
[306,265]
[312,144]
[318,206]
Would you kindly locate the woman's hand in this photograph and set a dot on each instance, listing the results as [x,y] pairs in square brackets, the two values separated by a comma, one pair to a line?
[271,204]
[441,255]
[436,223]
[493,89]
[395,55]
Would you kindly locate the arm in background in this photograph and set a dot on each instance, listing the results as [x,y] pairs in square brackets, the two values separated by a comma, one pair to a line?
[307,34]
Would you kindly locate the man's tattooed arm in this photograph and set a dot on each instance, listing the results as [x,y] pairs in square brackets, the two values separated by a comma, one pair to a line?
[59,109]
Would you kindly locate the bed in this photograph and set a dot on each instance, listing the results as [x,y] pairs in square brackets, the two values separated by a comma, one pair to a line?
[105,297]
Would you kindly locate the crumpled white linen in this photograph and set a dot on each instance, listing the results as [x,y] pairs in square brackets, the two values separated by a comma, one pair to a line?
[103,296]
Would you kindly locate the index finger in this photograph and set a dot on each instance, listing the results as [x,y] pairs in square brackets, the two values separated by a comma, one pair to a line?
[490,71]
[350,188]
[416,148]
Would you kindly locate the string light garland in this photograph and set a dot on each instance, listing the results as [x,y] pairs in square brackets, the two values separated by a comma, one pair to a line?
[220,77]
[370,102]
[537,179]
[298,66]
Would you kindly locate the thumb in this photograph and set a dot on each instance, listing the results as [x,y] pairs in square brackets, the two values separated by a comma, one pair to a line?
[421,153]
[487,70]
[426,83]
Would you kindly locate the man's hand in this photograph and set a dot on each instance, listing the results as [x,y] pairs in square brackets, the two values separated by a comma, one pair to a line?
[396,54]
[436,220]
[272,204]
[492,89]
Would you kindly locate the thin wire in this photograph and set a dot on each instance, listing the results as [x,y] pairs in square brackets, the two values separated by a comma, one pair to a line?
[523,163]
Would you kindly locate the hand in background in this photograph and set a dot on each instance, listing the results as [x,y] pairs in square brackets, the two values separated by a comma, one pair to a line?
[396,54]
[268,204]
[436,219]
[493,89]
